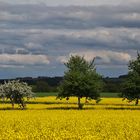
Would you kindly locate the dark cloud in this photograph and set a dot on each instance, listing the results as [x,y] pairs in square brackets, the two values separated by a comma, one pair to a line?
[48,35]
[9,51]
[72,17]
[22,51]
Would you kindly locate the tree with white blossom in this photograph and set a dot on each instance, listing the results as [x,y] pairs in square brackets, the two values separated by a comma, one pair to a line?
[16,91]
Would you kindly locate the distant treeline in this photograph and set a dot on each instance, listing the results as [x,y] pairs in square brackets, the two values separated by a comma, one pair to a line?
[113,84]
[50,84]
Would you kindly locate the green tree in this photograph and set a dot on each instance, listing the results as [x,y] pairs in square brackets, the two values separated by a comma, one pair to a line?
[131,88]
[80,80]
[16,91]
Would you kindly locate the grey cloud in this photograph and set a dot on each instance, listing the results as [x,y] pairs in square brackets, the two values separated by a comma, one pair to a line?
[22,51]
[72,17]
[60,42]
[72,2]
[56,32]
[9,51]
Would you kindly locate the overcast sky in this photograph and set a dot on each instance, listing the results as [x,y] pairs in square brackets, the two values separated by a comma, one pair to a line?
[38,36]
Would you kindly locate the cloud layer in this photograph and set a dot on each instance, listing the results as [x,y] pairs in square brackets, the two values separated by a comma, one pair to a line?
[34,36]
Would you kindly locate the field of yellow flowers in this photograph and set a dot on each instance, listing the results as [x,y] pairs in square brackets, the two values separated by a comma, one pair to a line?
[50,119]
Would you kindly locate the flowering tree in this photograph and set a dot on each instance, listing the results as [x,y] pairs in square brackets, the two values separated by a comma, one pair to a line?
[16,91]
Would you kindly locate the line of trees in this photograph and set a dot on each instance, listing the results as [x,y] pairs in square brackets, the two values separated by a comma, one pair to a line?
[50,84]
[80,80]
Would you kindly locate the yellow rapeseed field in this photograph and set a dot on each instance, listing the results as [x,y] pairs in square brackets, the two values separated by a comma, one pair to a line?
[50,119]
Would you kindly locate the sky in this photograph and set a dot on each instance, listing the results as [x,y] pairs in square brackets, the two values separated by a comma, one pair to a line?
[38,36]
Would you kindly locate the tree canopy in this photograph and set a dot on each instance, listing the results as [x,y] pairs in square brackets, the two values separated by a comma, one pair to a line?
[80,80]
[16,91]
[131,89]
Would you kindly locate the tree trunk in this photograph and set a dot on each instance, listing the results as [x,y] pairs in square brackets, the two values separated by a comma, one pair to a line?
[79,103]
[137,101]
[12,105]
[12,102]
[86,100]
